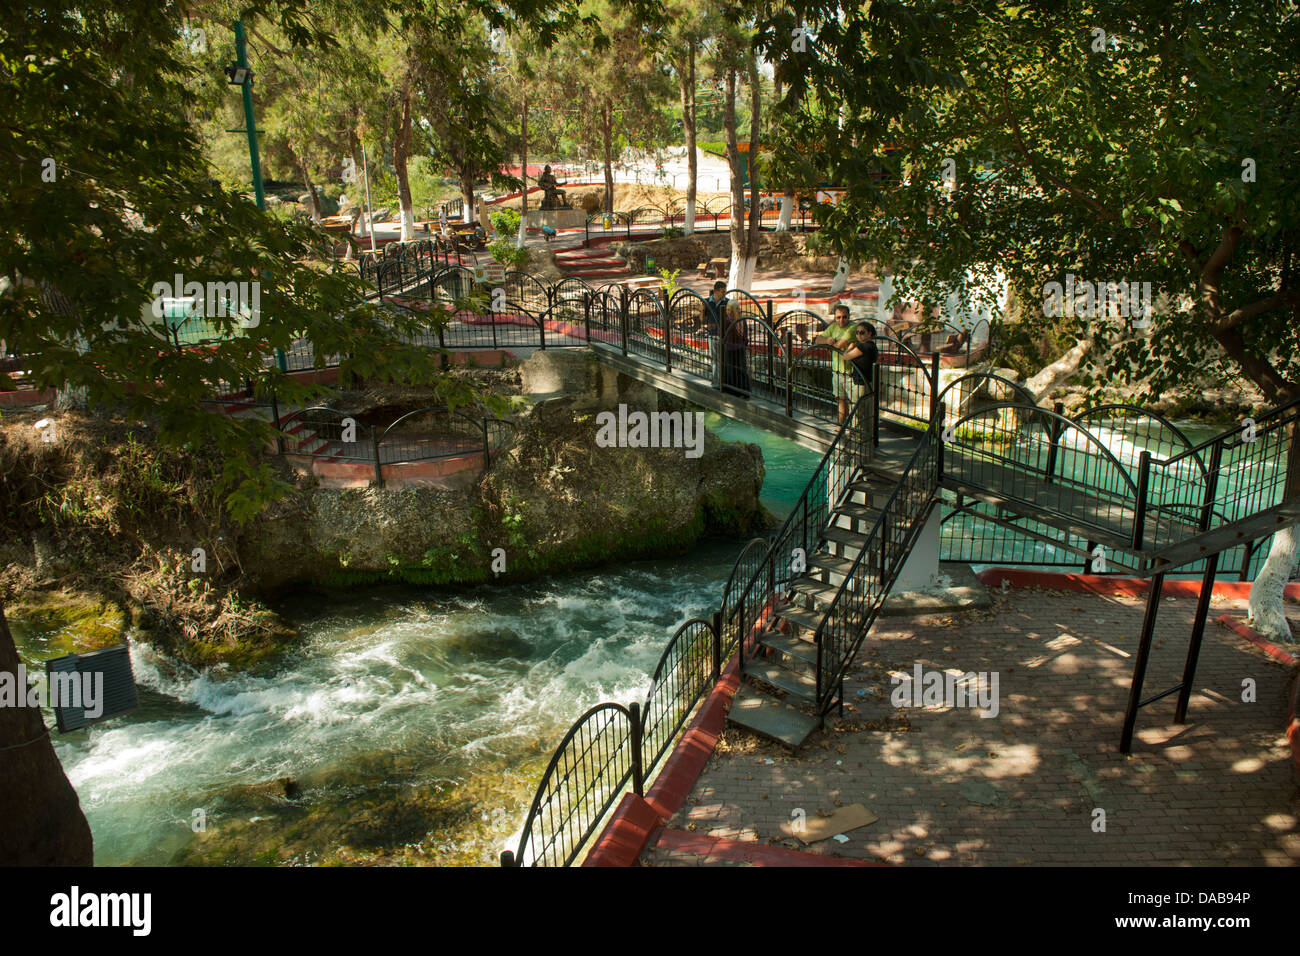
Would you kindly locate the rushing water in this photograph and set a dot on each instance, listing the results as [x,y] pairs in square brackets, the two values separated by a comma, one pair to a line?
[414,723]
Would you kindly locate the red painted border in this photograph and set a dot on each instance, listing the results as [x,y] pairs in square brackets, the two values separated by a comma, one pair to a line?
[755,854]
[22,397]
[626,836]
[1263,643]
[680,771]
[1293,725]
[684,766]
[1102,584]
[629,829]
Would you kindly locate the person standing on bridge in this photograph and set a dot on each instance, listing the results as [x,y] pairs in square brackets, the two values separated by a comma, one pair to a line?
[862,355]
[714,308]
[735,353]
[839,336]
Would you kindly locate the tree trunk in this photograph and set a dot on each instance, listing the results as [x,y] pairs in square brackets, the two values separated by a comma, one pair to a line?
[1046,381]
[355,190]
[688,125]
[41,823]
[607,138]
[1267,615]
[313,200]
[1267,591]
[841,279]
[523,176]
[401,145]
[787,200]
[467,193]
[743,244]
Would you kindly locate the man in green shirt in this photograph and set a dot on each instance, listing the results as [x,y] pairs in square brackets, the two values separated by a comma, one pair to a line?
[839,336]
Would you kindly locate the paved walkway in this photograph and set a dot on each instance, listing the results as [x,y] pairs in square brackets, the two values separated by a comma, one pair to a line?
[950,787]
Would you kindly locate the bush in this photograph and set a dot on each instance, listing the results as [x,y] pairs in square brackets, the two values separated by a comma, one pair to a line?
[670,280]
[505,222]
[674,232]
[504,251]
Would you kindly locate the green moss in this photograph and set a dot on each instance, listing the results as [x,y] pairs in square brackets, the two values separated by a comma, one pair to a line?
[61,622]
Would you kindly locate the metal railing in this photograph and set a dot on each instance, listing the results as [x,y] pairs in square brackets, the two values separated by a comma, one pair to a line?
[653,222]
[799,536]
[1236,473]
[325,433]
[876,567]
[613,747]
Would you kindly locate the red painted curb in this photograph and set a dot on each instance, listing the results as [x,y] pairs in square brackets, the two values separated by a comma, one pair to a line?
[755,854]
[1263,643]
[627,834]
[684,766]
[26,396]
[1293,725]
[1102,584]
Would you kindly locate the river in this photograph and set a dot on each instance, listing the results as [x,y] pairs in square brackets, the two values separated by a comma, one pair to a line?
[413,723]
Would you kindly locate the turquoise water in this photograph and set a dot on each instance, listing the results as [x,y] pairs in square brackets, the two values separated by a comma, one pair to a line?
[788,465]
[416,722]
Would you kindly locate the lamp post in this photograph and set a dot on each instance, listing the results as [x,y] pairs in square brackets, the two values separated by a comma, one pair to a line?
[240,75]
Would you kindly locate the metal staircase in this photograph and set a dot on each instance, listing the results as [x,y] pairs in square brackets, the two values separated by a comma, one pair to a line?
[809,603]
[811,600]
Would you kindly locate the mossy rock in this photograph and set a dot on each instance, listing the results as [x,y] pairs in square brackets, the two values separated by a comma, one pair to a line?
[62,622]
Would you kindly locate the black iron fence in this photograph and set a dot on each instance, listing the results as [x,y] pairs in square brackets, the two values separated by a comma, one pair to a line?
[1126,473]
[979,532]
[611,748]
[798,537]
[876,566]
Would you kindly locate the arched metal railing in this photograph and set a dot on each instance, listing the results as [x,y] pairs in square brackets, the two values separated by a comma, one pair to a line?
[594,762]
[455,434]
[687,670]
[963,394]
[1047,461]
[694,334]
[814,385]
[905,384]
[751,555]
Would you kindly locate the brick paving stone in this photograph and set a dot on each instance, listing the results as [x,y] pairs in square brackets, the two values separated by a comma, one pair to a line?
[1021,788]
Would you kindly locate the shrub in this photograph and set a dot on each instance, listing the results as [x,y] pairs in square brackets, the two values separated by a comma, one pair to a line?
[504,251]
[670,280]
[505,222]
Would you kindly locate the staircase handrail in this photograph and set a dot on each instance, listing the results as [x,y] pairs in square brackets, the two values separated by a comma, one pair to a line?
[825,688]
[853,428]
[1225,435]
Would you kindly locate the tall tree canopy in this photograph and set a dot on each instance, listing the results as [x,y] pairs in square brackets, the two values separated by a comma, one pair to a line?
[1113,141]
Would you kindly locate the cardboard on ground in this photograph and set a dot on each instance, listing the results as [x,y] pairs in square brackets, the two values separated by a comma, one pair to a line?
[816,829]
